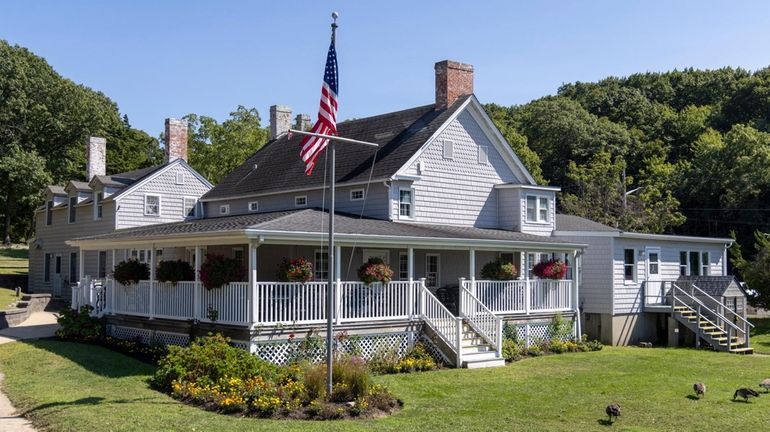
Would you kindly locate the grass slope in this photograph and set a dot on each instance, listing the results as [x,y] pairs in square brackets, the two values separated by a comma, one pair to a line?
[14,260]
[64,386]
[760,335]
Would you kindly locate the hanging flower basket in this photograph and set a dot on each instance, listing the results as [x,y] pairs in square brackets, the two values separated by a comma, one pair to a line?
[499,270]
[131,272]
[552,269]
[218,271]
[174,271]
[375,270]
[295,270]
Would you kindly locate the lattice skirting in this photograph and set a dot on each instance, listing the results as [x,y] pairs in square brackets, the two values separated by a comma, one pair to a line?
[148,336]
[532,333]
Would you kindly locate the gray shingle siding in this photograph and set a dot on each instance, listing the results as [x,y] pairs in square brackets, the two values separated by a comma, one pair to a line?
[596,284]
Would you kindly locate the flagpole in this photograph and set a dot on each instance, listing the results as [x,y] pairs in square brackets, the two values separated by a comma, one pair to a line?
[331,285]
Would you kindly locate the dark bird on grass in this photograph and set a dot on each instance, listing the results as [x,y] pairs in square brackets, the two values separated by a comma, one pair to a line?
[613,411]
[745,393]
[699,388]
[765,384]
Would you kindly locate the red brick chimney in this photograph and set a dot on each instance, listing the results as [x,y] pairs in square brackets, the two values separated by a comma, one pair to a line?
[176,139]
[453,80]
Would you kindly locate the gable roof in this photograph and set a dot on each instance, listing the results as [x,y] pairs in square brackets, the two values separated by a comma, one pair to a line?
[566,222]
[715,286]
[126,178]
[77,185]
[279,168]
[144,175]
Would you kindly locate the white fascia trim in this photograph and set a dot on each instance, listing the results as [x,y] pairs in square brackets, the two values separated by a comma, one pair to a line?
[125,191]
[402,171]
[557,233]
[406,177]
[668,237]
[290,191]
[529,187]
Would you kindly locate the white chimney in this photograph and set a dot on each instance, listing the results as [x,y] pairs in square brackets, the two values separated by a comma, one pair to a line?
[280,120]
[96,157]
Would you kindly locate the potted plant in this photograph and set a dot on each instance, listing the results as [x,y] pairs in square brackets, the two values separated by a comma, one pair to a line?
[499,270]
[217,271]
[551,269]
[375,270]
[295,270]
[174,271]
[131,272]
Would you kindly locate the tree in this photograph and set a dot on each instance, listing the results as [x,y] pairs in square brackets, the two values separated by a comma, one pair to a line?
[218,148]
[25,171]
[755,272]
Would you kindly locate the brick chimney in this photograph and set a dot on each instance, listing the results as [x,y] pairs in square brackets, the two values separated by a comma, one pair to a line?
[96,157]
[176,139]
[453,80]
[280,120]
[302,122]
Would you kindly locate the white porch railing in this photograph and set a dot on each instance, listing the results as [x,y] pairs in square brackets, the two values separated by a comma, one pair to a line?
[287,302]
[522,296]
[359,302]
[483,320]
[448,327]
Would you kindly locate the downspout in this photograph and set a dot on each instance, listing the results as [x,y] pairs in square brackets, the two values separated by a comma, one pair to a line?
[724,258]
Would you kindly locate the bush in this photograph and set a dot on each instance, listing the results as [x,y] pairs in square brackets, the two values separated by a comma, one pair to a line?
[174,271]
[79,324]
[499,270]
[559,328]
[375,270]
[131,272]
[206,361]
[551,269]
[295,270]
[416,360]
[217,271]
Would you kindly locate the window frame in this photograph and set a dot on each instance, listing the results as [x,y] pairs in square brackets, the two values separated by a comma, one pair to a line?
[255,204]
[297,198]
[483,155]
[684,265]
[411,214]
[72,212]
[194,208]
[47,267]
[98,206]
[403,273]
[705,264]
[101,264]
[448,149]
[224,209]
[180,178]
[538,209]
[320,270]
[49,205]
[632,265]
[148,195]
[694,266]
[363,194]
[438,269]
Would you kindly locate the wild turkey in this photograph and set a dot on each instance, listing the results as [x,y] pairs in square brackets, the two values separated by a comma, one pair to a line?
[699,388]
[765,384]
[745,393]
[613,411]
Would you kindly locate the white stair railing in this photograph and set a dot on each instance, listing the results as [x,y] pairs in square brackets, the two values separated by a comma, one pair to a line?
[728,313]
[441,320]
[488,325]
[680,297]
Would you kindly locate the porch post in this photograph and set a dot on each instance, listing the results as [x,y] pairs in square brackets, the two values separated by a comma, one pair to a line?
[527,287]
[110,286]
[576,268]
[197,289]
[410,270]
[81,265]
[472,269]
[338,283]
[253,292]
[152,282]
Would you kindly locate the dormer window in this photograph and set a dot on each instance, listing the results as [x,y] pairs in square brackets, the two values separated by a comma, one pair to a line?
[538,209]
[152,205]
[98,205]
[300,201]
[72,210]
[406,203]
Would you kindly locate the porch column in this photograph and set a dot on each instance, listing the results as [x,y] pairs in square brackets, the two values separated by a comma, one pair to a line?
[338,283]
[472,269]
[197,288]
[527,285]
[113,260]
[576,268]
[81,265]
[412,291]
[253,292]
[111,286]
[152,281]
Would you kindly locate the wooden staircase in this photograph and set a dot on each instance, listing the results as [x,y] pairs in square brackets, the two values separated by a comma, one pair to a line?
[708,322]
[476,351]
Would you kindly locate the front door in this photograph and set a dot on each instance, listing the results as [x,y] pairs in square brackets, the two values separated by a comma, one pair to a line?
[432,270]
[654,285]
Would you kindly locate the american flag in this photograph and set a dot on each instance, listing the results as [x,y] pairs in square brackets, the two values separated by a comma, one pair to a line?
[311,147]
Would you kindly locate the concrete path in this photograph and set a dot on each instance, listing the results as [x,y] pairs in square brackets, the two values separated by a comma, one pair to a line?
[38,325]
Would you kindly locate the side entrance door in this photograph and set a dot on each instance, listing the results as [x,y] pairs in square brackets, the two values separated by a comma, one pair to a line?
[654,284]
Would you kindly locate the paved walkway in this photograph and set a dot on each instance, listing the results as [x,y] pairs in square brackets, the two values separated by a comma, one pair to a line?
[38,325]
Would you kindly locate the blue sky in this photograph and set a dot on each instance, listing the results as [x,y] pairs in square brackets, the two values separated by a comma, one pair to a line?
[160,59]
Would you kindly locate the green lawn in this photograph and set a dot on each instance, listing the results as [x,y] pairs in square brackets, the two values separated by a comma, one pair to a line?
[68,387]
[760,335]
[14,260]
[7,298]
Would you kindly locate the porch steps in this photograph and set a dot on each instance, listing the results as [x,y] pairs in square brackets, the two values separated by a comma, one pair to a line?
[714,335]
[477,352]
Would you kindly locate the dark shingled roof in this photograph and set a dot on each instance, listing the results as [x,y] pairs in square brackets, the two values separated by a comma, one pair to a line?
[57,190]
[279,167]
[714,286]
[315,221]
[577,223]
[128,178]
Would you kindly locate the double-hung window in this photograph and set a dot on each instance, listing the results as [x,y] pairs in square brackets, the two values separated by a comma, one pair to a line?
[72,209]
[321,265]
[704,264]
[629,265]
[538,209]
[684,267]
[49,213]
[406,203]
[694,263]
[98,205]
[403,266]
[152,205]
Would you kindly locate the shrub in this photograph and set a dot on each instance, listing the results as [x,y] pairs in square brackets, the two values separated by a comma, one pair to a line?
[559,328]
[551,269]
[174,271]
[131,272]
[416,359]
[217,271]
[79,324]
[295,270]
[589,345]
[206,361]
[499,270]
[375,270]
[350,379]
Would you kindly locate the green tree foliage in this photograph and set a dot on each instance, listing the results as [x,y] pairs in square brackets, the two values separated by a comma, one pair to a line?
[43,115]
[24,173]
[217,148]
[756,271]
